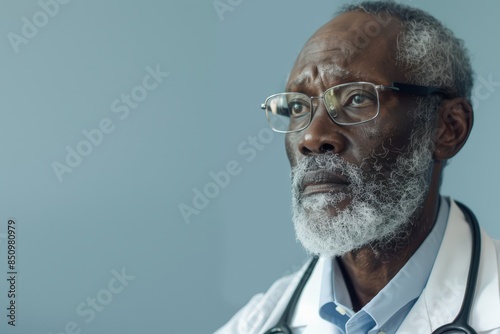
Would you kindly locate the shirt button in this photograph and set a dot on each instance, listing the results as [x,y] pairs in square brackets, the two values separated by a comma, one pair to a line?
[341,310]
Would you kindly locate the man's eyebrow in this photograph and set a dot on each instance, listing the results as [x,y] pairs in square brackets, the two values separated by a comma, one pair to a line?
[336,72]
[296,83]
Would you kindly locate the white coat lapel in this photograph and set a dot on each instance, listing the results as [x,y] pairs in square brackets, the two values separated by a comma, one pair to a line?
[307,307]
[443,295]
[278,310]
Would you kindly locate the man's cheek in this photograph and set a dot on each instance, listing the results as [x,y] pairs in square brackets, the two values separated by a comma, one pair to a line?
[382,154]
[290,151]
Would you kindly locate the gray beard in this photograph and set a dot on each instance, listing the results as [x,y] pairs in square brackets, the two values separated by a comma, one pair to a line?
[381,200]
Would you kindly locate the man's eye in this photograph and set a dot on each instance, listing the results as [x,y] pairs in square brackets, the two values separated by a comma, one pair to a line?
[298,108]
[360,100]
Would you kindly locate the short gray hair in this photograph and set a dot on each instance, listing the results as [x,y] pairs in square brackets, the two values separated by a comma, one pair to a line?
[429,52]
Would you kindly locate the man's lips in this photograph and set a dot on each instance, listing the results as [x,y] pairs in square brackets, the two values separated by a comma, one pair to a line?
[322,181]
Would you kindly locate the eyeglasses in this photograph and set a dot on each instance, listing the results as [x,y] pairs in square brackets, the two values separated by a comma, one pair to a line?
[347,104]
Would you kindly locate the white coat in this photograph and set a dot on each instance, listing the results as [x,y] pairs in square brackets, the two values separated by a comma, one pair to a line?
[438,304]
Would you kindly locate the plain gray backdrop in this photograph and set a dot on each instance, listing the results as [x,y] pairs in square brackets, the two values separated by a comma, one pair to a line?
[118,208]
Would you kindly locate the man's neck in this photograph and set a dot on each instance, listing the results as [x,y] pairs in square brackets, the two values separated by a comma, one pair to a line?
[367,270]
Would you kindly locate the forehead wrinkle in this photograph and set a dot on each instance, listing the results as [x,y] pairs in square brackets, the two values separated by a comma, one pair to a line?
[328,60]
[334,71]
[332,44]
[319,75]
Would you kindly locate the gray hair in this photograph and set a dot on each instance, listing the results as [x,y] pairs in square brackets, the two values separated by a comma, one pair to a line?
[429,52]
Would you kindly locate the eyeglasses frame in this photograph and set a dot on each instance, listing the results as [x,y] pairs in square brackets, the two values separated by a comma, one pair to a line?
[396,86]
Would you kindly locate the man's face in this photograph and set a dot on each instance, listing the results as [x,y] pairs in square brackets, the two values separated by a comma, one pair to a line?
[359,184]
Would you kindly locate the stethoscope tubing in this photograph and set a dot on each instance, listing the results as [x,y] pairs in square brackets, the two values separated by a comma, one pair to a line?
[282,326]
[460,323]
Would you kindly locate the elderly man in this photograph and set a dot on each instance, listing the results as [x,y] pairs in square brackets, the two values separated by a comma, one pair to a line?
[376,103]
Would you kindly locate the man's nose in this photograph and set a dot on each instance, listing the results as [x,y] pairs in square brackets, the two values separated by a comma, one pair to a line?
[322,135]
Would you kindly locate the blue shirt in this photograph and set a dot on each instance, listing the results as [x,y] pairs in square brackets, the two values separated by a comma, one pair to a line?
[387,310]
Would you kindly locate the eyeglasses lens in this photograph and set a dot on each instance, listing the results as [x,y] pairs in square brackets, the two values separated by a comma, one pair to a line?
[347,104]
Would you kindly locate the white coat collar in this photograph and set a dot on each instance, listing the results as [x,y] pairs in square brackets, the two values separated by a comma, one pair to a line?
[306,313]
[443,295]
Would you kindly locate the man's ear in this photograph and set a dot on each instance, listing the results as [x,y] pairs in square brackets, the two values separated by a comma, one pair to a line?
[454,123]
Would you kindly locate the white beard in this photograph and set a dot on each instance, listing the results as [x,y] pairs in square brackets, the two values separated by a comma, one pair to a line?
[378,209]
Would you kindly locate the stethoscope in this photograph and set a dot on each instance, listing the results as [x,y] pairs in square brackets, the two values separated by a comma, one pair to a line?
[459,324]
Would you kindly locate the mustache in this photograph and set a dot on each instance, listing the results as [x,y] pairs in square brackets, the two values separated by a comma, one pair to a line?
[330,163]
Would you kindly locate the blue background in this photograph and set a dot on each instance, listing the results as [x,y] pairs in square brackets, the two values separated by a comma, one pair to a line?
[119,208]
